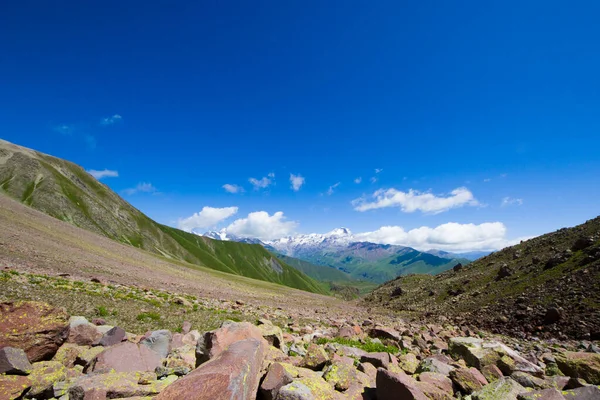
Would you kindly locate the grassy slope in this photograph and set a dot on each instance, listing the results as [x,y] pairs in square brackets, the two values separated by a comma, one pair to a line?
[67,192]
[480,293]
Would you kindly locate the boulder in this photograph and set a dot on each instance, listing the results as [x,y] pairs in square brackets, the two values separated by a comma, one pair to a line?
[13,386]
[127,357]
[545,394]
[37,328]
[385,333]
[583,393]
[434,364]
[113,336]
[115,385]
[409,363]
[84,334]
[341,375]
[14,361]
[233,374]
[438,380]
[472,351]
[276,378]
[580,365]
[379,360]
[503,388]
[43,377]
[213,343]
[273,335]
[529,381]
[394,386]
[67,354]
[158,341]
[491,372]
[468,380]
[316,357]
[295,391]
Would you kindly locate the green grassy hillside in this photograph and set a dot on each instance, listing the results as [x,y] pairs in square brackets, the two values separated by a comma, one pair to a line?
[66,191]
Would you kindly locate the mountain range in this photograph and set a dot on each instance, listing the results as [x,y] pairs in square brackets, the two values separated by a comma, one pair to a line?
[360,260]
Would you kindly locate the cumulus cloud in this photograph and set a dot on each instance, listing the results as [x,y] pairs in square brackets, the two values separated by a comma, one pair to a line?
[230,188]
[105,173]
[413,200]
[509,201]
[263,226]
[451,236]
[297,181]
[113,119]
[373,179]
[262,183]
[332,188]
[142,187]
[378,170]
[358,180]
[208,217]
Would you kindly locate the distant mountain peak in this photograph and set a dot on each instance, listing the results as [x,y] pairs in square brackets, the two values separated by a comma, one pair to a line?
[339,232]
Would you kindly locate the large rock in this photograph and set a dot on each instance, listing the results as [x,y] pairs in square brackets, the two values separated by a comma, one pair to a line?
[213,343]
[394,386]
[115,385]
[84,334]
[114,335]
[14,361]
[440,381]
[434,364]
[273,335]
[379,360]
[295,391]
[13,386]
[316,357]
[37,328]
[583,393]
[545,394]
[385,333]
[580,365]
[276,378]
[127,357]
[468,380]
[342,375]
[43,377]
[503,388]
[233,374]
[159,342]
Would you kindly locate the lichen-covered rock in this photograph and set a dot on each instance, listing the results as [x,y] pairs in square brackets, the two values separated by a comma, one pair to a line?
[545,394]
[408,362]
[316,357]
[67,354]
[273,335]
[295,391]
[37,328]
[440,381]
[340,375]
[43,377]
[276,378]
[529,381]
[468,380]
[115,385]
[13,386]
[580,365]
[582,393]
[320,389]
[434,364]
[501,389]
[491,373]
[84,334]
[213,343]
[14,361]
[233,374]
[472,351]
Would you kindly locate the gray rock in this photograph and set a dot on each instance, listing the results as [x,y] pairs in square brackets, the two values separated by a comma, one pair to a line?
[159,342]
[583,393]
[14,361]
[111,337]
[295,391]
[503,388]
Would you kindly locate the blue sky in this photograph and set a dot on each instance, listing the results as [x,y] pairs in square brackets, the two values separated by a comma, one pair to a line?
[500,98]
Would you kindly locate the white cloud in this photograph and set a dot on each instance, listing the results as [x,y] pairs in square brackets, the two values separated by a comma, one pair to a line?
[358,180]
[378,170]
[451,236]
[111,120]
[332,188]
[509,201]
[413,200]
[263,226]
[233,188]
[487,180]
[373,179]
[206,218]
[262,183]
[297,181]
[105,173]
[64,129]
[142,187]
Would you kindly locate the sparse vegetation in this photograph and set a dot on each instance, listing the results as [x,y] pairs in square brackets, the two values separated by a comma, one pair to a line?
[366,345]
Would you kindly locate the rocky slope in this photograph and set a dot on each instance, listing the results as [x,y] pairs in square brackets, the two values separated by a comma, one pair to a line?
[46,353]
[548,286]
[67,192]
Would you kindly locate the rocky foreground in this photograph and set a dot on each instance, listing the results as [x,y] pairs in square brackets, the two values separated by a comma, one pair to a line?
[46,354]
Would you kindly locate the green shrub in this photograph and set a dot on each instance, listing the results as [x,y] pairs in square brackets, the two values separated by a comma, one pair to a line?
[102,311]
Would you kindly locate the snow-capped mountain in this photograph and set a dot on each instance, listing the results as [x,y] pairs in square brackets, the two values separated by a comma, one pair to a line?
[294,245]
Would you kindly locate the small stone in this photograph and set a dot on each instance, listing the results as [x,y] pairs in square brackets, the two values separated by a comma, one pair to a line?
[113,336]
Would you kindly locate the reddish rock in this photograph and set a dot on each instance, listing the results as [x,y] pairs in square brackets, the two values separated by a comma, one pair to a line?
[115,385]
[127,357]
[214,343]
[37,328]
[277,377]
[113,336]
[440,381]
[99,321]
[491,372]
[233,374]
[84,335]
[14,361]
[394,386]
[13,386]
[187,326]
[379,360]
[385,333]
[468,380]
